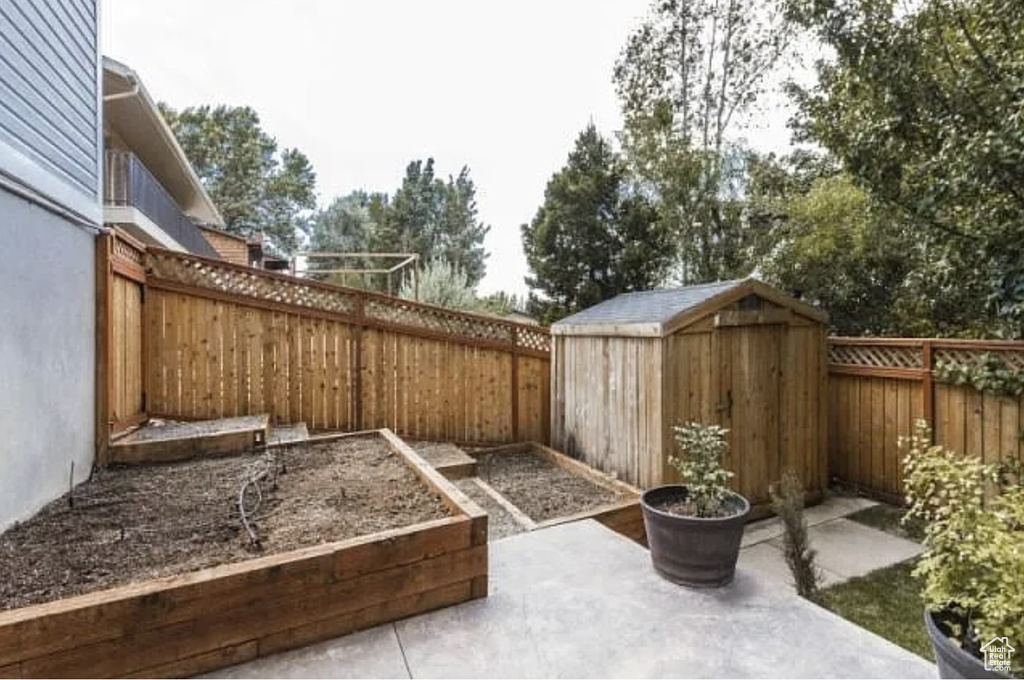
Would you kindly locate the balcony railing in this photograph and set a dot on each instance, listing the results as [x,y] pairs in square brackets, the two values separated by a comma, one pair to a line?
[127,182]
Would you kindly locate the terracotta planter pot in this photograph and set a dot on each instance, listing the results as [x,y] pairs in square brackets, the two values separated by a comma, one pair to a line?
[693,551]
[954,662]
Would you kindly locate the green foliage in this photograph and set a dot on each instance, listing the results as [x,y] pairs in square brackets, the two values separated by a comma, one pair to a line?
[788,504]
[256,187]
[922,104]
[700,467]
[989,373]
[834,248]
[594,237]
[887,603]
[345,226]
[502,303]
[434,218]
[445,285]
[974,563]
[686,78]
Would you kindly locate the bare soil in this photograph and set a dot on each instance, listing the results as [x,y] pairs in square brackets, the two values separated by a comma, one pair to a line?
[500,523]
[137,523]
[540,489]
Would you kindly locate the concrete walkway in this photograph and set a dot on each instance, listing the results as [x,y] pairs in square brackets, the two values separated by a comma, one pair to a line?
[845,549]
[578,600]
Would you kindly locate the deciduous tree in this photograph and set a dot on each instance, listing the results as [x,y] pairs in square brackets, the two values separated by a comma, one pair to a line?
[256,186]
[687,76]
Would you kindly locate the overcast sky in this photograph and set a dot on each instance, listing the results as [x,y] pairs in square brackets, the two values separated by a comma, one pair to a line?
[364,87]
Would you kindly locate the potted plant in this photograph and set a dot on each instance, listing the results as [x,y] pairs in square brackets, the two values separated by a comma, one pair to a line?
[973,567]
[694,529]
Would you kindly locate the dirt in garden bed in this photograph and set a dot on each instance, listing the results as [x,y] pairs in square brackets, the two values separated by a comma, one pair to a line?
[539,488]
[500,522]
[137,523]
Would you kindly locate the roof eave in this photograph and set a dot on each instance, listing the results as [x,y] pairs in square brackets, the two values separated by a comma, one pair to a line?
[123,71]
[618,330]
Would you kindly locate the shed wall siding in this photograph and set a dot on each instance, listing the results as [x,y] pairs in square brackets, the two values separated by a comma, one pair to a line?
[609,403]
[48,88]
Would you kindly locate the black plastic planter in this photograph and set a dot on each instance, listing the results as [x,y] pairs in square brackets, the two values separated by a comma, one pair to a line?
[693,551]
[954,662]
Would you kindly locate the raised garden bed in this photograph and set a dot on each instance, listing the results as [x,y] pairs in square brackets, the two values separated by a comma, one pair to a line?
[159,441]
[384,536]
[538,487]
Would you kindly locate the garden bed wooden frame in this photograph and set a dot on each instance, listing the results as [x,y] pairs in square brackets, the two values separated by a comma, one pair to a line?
[624,517]
[196,622]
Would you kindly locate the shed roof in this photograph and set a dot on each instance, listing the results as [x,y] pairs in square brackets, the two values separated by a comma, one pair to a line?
[657,313]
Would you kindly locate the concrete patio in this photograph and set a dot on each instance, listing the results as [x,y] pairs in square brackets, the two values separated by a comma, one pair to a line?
[845,549]
[578,600]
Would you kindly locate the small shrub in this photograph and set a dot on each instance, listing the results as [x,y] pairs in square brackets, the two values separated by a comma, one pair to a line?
[700,467]
[788,505]
[973,566]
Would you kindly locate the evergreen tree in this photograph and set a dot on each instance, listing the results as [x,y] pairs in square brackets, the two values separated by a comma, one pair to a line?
[594,236]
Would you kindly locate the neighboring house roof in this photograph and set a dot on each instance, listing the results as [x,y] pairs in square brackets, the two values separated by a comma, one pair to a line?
[131,114]
[656,313]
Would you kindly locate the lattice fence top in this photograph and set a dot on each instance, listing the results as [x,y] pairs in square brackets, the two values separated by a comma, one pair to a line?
[876,356]
[843,352]
[249,283]
[232,279]
[405,313]
[1014,357]
[124,250]
[534,338]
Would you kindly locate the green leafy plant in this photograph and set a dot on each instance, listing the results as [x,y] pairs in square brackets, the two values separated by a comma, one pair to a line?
[973,567]
[788,504]
[700,467]
[988,374]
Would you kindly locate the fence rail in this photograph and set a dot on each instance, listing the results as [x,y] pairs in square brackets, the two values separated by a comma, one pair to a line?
[225,340]
[879,386]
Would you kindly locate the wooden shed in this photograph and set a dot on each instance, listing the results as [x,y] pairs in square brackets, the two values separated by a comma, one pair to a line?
[736,353]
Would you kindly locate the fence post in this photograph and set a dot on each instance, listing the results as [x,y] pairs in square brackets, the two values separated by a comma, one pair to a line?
[515,384]
[357,364]
[928,386]
[104,346]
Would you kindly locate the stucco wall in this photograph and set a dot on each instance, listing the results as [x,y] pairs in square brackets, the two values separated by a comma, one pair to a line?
[47,356]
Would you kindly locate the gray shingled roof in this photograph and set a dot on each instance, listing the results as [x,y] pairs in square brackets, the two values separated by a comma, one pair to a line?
[652,306]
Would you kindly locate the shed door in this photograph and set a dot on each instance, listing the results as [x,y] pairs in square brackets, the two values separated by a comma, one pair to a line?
[749,403]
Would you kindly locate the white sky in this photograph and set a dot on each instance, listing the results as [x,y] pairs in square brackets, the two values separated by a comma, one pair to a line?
[362,88]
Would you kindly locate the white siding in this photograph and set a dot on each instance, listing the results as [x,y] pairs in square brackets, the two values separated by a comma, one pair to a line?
[48,87]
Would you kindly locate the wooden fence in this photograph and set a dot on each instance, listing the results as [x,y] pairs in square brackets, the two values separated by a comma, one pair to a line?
[879,387]
[120,278]
[220,340]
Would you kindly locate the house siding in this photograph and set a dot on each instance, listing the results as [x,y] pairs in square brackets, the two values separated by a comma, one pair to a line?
[229,248]
[49,189]
[49,87]
[47,357]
